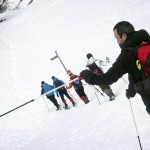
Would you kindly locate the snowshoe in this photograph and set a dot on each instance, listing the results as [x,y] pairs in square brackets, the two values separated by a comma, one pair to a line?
[86,101]
[66,107]
[74,104]
[111,98]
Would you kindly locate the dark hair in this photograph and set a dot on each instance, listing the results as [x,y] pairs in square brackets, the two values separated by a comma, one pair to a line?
[124,27]
[42,82]
[53,77]
[89,55]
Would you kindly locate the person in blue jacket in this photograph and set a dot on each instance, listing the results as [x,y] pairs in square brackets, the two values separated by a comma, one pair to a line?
[51,96]
[62,91]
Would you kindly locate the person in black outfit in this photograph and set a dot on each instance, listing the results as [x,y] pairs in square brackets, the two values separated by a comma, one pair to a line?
[47,88]
[95,66]
[127,38]
[62,91]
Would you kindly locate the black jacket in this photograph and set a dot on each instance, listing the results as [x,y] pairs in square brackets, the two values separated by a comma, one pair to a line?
[125,63]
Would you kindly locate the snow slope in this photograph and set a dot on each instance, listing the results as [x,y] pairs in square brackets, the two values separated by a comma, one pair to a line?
[29,38]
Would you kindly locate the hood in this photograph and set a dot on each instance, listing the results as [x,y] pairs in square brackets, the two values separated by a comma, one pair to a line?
[136,38]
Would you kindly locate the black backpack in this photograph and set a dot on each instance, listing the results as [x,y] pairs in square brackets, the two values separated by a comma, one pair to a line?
[76,83]
[58,83]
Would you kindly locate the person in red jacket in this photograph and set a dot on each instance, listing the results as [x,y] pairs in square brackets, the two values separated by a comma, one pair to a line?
[77,84]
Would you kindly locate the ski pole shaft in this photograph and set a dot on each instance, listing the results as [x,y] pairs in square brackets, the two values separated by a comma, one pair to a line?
[17,107]
[46,104]
[97,98]
[96,89]
[135,125]
[124,80]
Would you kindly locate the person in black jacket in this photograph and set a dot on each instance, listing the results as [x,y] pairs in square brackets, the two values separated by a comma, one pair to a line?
[127,38]
[95,66]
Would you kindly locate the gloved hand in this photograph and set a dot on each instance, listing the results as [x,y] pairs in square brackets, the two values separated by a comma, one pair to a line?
[57,95]
[86,74]
[129,94]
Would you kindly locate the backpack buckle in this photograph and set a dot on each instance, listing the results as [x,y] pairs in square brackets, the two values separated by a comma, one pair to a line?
[138,64]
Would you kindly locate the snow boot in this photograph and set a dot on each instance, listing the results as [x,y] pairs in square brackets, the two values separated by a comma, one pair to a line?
[111,98]
[74,104]
[58,108]
[86,101]
[66,107]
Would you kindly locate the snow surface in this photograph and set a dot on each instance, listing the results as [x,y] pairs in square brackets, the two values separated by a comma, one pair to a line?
[29,38]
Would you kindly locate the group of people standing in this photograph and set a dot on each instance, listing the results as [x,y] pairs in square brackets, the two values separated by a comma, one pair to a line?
[59,87]
[127,62]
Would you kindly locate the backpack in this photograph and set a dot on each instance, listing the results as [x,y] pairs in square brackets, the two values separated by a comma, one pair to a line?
[142,55]
[95,69]
[76,83]
[58,83]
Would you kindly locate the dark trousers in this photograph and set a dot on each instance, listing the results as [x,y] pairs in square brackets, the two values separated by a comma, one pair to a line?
[146,100]
[53,100]
[80,92]
[62,93]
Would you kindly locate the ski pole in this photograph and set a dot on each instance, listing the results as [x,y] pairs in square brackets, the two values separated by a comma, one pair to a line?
[95,94]
[96,89]
[135,125]
[46,104]
[124,80]
[97,98]
[17,107]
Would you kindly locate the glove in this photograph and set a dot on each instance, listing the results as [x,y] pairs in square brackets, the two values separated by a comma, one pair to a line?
[57,95]
[86,74]
[129,94]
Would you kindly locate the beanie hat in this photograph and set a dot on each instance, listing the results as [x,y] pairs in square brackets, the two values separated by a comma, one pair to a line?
[42,82]
[69,72]
[89,55]
[53,77]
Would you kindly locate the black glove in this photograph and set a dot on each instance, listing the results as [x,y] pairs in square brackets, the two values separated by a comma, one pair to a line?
[129,94]
[57,95]
[86,74]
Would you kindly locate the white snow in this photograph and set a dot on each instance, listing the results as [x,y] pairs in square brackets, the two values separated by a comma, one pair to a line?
[29,38]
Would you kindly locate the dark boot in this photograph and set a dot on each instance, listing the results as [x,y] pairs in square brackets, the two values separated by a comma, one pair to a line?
[58,108]
[86,101]
[74,104]
[66,106]
[111,98]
